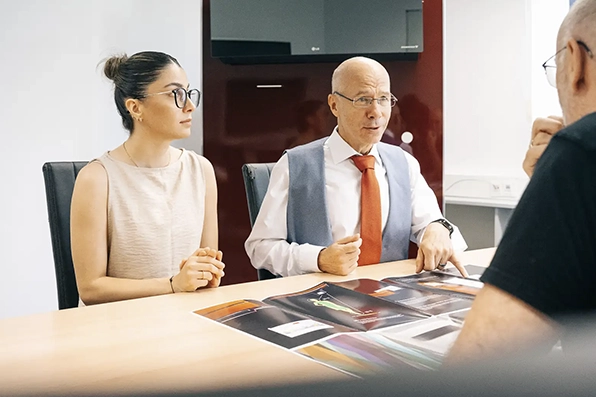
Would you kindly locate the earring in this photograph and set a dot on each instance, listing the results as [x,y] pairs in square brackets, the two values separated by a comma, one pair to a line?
[140,119]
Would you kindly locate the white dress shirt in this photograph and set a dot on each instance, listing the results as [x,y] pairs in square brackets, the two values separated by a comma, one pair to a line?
[267,246]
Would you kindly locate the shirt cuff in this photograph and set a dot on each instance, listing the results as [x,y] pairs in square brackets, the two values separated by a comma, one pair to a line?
[458,241]
[308,258]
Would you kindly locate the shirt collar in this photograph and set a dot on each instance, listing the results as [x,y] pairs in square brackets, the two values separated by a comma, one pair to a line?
[340,150]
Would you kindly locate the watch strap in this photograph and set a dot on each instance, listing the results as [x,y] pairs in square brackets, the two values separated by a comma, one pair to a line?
[446,224]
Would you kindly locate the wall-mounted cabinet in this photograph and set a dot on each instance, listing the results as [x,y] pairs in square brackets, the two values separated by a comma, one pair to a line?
[263,31]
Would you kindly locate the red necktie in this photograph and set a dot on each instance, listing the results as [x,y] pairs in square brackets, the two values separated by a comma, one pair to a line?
[370,212]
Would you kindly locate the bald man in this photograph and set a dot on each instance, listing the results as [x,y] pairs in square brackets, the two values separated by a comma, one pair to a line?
[310,219]
[544,270]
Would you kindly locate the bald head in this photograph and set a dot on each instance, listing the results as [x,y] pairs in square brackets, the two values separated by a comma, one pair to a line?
[356,66]
[357,86]
[580,23]
[576,66]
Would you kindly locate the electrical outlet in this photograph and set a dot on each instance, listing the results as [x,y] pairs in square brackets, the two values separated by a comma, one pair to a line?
[491,188]
[507,189]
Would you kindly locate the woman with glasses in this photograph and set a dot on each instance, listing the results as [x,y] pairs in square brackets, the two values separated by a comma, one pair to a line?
[144,215]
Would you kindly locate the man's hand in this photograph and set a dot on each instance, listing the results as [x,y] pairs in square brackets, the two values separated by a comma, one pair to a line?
[341,257]
[436,249]
[543,130]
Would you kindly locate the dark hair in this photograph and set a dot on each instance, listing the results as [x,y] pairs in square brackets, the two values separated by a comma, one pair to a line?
[132,75]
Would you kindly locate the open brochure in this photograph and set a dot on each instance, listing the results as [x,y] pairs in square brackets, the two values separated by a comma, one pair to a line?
[360,326]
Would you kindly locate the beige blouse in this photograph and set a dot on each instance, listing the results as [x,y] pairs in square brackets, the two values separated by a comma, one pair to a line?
[155,216]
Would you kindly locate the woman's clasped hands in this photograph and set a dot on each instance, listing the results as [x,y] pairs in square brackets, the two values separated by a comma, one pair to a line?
[203,268]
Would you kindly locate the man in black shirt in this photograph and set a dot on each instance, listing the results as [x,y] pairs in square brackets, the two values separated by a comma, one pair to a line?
[545,267]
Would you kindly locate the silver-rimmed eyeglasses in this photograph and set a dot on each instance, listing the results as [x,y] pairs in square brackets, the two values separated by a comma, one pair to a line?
[181,95]
[550,67]
[366,101]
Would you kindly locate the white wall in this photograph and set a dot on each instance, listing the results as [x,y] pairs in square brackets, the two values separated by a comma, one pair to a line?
[487,103]
[546,17]
[494,85]
[55,105]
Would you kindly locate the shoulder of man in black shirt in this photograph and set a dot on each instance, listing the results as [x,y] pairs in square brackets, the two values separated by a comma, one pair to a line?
[547,256]
[544,269]
[582,132]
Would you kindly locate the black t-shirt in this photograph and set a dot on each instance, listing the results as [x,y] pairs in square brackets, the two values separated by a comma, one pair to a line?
[547,256]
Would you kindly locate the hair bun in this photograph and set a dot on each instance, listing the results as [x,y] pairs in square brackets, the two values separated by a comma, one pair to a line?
[112,66]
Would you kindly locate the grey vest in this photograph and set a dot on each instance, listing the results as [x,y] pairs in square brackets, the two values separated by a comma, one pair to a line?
[307,218]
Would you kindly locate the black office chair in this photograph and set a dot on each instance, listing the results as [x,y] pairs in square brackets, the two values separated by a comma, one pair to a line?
[59,178]
[256,181]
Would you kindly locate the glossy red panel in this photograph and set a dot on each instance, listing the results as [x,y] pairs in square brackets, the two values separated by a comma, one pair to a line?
[246,124]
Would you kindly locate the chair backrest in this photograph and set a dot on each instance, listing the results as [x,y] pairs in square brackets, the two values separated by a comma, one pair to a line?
[256,181]
[59,178]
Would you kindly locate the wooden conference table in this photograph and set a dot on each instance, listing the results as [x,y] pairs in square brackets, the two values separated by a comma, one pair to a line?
[158,345]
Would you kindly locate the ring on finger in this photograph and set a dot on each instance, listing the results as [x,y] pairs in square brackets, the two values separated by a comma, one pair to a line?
[202,274]
[441,266]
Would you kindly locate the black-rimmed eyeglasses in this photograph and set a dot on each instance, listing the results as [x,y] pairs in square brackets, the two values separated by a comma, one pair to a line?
[181,95]
[551,69]
[366,101]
